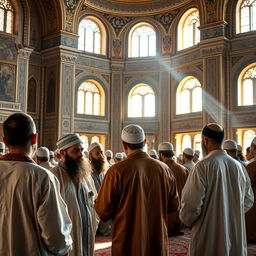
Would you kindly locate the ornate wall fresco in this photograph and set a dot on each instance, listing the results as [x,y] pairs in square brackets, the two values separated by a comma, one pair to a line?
[8,51]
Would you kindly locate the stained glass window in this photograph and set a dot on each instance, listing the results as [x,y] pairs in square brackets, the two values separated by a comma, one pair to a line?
[88,99]
[247,88]
[89,36]
[142,101]
[189,96]
[142,41]
[6,16]
[247,16]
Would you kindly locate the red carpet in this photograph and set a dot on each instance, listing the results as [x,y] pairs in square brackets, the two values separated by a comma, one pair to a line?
[178,246]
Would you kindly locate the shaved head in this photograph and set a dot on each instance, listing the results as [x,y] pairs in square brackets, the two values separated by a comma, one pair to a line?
[215,127]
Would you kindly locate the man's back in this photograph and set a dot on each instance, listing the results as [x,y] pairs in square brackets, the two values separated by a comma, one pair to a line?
[214,199]
[33,219]
[137,194]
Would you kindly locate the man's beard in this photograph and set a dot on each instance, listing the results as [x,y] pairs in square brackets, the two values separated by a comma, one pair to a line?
[78,170]
[99,165]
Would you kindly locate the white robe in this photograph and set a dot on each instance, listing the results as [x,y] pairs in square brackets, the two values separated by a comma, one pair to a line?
[46,165]
[69,194]
[215,197]
[33,216]
[189,165]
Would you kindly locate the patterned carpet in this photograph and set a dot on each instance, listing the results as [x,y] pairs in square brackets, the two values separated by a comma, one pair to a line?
[178,246]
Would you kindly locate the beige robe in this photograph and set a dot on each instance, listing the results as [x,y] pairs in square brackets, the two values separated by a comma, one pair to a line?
[181,174]
[46,165]
[137,194]
[250,216]
[69,193]
[33,217]
[214,199]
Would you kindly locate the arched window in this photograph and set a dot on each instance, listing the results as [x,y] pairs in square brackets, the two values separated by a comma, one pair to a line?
[247,86]
[142,41]
[92,36]
[245,137]
[186,142]
[246,16]
[6,16]
[188,32]
[31,105]
[141,101]
[197,142]
[189,96]
[90,99]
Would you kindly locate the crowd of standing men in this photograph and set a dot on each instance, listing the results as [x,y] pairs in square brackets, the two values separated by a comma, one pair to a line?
[55,203]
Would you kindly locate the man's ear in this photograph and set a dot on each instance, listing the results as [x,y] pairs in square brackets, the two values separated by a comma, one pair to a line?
[34,138]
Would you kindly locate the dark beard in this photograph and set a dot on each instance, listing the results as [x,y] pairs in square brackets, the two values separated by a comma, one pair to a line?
[99,165]
[78,170]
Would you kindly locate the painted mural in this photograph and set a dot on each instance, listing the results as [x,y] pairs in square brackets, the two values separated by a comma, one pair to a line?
[7,82]
[7,48]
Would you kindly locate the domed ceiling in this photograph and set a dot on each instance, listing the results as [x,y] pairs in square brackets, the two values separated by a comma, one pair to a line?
[134,7]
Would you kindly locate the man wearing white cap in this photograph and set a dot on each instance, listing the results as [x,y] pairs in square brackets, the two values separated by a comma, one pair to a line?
[42,158]
[196,156]
[109,155]
[78,191]
[166,154]
[250,216]
[34,219]
[214,199]
[118,157]
[153,153]
[188,154]
[2,148]
[137,194]
[231,148]
[99,168]
[52,161]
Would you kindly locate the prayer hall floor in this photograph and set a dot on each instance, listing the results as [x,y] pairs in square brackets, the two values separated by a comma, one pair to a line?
[178,246]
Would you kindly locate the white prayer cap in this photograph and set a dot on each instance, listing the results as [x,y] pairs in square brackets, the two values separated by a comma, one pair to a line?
[152,152]
[133,134]
[229,145]
[51,153]
[197,152]
[239,148]
[94,145]
[189,151]
[254,141]
[119,156]
[109,153]
[124,155]
[68,140]
[43,152]
[2,146]
[165,146]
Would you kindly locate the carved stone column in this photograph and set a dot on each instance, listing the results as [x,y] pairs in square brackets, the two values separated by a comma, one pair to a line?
[22,77]
[116,105]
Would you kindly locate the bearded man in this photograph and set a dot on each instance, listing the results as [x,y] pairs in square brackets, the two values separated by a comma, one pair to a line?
[99,168]
[79,193]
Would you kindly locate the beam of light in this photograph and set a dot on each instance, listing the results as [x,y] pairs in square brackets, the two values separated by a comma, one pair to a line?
[100,246]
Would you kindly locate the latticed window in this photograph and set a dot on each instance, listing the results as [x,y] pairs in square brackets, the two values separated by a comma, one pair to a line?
[189,96]
[89,36]
[247,16]
[142,41]
[89,99]
[188,32]
[6,16]
[247,88]
[142,101]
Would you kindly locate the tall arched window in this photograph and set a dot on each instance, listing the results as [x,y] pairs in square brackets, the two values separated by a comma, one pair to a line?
[188,32]
[6,16]
[246,16]
[245,137]
[247,86]
[90,99]
[142,41]
[92,36]
[189,96]
[141,101]
[188,140]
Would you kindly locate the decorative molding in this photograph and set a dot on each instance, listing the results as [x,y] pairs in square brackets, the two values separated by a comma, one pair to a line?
[24,53]
[187,125]
[211,7]
[70,58]
[117,46]
[212,32]
[243,43]
[235,59]
[186,58]
[91,126]
[106,77]
[10,106]
[60,39]
[79,71]
[127,79]
[117,66]
[93,62]
[213,51]
[149,127]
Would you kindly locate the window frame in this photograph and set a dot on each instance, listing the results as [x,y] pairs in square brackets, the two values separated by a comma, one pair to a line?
[12,11]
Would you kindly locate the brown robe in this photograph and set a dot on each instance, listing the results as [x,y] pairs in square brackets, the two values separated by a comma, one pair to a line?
[250,216]
[137,194]
[181,174]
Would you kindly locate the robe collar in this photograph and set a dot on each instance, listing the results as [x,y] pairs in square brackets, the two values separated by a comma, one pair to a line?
[16,157]
[137,154]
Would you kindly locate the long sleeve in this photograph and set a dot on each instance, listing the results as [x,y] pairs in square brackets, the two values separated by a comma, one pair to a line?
[53,218]
[249,196]
[192,198]
[174,202]
[107,199]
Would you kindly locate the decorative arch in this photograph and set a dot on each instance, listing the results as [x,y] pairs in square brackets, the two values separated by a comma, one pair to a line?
[189,96]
